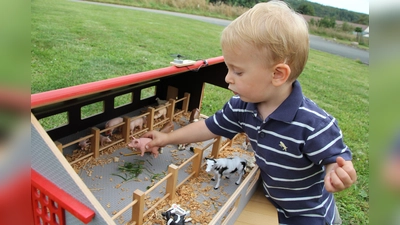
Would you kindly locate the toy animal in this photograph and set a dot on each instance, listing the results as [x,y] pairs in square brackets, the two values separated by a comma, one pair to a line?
[84,144]
[113,122]
[161,113]
[226,166]
[140,143]
[138,122]
[104,139]
[168,127]
[176,215]
[194,115]
[161,102]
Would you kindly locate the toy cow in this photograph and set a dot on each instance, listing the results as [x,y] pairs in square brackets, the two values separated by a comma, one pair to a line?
[176,215]
[140,144]
[183,146]
[138,122]
[194,115]
[113,122]
[226,166]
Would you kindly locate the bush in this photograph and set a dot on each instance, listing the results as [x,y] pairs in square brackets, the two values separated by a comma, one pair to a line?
[327,22]
[347,27]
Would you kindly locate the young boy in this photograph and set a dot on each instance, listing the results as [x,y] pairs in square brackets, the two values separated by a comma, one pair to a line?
[298,146]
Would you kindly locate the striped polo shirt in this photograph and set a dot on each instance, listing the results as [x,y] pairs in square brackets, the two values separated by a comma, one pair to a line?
[291,148]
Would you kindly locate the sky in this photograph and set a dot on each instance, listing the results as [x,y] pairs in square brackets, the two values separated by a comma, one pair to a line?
[361,6]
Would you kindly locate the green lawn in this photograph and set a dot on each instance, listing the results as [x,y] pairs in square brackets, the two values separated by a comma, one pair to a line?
[74,43]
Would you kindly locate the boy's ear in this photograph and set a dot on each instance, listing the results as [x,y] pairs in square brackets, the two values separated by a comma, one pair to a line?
[281,74]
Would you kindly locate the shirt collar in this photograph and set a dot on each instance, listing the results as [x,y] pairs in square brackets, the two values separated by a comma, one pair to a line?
[288,109]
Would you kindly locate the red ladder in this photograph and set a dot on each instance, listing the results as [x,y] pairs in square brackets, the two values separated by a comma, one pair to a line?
[49,203]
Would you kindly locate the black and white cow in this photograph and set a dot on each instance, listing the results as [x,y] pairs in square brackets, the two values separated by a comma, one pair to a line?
[226,166]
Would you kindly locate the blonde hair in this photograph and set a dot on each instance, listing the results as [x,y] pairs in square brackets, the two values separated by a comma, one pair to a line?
[276,30]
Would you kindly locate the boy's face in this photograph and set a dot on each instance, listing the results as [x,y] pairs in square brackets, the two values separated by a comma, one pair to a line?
[248,76]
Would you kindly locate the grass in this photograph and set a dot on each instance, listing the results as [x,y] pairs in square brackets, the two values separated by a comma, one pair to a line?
[223,11]
[75,43]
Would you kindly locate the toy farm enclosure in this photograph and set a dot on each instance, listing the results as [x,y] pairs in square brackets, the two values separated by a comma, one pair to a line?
[78,175]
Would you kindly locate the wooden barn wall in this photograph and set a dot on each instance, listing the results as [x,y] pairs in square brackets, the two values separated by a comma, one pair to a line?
[187,82]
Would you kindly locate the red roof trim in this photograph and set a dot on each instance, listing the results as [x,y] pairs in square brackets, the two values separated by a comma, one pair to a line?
[53,96]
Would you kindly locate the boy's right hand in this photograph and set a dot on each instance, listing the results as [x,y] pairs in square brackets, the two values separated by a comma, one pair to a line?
[158,139]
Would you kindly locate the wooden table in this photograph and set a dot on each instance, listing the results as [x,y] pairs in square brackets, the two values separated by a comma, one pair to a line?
[258,211]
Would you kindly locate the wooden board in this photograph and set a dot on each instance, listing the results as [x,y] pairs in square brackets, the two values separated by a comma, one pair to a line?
[258,211]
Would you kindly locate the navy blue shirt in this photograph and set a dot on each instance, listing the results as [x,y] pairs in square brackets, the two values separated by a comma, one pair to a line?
[291,146]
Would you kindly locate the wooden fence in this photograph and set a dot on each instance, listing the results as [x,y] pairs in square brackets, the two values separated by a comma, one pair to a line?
[95,136]
[171,179]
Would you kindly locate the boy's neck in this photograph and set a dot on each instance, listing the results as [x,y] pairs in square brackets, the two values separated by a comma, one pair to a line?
[266,108]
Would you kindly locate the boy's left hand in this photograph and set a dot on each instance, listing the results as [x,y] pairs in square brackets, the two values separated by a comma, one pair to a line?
[339,175]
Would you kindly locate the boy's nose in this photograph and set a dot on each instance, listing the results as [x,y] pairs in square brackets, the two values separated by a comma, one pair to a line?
[228,78]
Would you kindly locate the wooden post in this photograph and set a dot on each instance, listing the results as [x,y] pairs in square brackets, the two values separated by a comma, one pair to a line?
[126,130]
[171,109]
[197,161]
[185,104]
[95,142]
[172,181]
[150,118]
[138,208]
[215,148]
[59,146]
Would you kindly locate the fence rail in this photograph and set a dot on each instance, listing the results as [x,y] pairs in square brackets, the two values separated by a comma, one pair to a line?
[95,138]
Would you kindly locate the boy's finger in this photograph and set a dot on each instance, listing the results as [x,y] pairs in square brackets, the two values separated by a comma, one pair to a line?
[340,161]
[351,172]
[344,177]
[336,182]
[149,145]
[147,135]
[328,184]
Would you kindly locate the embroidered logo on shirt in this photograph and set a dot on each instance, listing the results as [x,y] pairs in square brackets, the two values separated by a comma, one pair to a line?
[281,144]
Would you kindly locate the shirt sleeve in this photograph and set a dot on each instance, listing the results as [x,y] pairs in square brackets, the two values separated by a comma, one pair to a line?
[394,148]
[225,122]
[325,144]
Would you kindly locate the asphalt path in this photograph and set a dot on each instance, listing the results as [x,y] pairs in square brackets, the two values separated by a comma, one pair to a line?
[316,42]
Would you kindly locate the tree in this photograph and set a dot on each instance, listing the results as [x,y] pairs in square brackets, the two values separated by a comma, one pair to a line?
[358,29]
[306,9]
[327,22]
[359,37]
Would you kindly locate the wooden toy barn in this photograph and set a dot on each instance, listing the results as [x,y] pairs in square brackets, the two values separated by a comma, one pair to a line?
[83,170]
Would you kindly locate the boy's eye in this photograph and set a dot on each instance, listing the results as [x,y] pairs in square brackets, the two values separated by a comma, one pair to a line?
[237,73]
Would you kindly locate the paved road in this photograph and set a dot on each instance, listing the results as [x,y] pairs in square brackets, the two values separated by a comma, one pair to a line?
[316,42]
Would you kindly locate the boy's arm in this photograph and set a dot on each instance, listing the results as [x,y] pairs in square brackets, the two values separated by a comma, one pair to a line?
[339,175]
[194,132]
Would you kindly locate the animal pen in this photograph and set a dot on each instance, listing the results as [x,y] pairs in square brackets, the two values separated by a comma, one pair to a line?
[73,185]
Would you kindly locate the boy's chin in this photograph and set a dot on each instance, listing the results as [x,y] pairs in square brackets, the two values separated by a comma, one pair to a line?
[244,99]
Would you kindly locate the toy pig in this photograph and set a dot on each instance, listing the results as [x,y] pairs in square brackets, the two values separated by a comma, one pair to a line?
[84,144]
[113,122]
[161,113]
[138,122]
[140,143]
[104,139]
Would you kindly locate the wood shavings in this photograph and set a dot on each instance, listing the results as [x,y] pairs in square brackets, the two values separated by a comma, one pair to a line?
[196,194]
